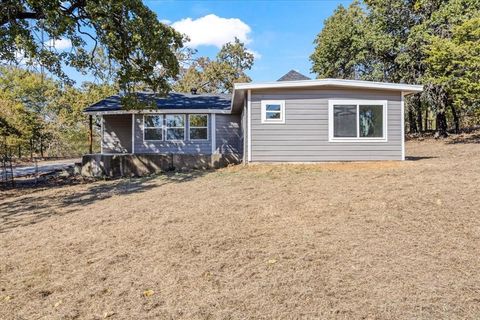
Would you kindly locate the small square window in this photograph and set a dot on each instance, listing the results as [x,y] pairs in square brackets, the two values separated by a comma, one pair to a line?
[273,111]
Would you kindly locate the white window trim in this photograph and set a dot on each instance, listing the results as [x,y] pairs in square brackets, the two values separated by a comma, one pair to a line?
[189,127]
[167,127]
[282,111]
[357,102]
[145,127]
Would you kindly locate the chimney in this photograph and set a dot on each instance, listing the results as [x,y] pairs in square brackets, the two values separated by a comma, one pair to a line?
[193,90]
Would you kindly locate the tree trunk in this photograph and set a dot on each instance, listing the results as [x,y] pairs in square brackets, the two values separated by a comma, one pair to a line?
[456,120]
[426,120]
[412,123]
[31,148]
[41,146]
[419,120]
[19,152]
[441,125]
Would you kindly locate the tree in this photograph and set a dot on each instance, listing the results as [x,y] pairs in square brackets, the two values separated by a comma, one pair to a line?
[401,41]
[454,66]
[128,31]
[341,47]
[48,117]
[219,75]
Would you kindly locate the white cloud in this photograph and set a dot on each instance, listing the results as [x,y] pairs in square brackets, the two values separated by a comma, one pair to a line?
[60,44]
[256,54]
[165,21]
[212,30]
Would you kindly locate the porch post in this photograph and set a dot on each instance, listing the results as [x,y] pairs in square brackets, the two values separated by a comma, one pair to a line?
[90,133]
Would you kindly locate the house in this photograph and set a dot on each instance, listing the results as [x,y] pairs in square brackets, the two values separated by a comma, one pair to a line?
[294,119]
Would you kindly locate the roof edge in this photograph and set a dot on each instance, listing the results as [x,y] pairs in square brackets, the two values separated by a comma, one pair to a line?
[159,111]
[331,82]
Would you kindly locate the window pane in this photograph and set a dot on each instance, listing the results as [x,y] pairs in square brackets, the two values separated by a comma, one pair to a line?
[344,124]
[153,134]
[272,107]
[371,121]
[175,120]
[198,120]
[153,121]
[198,133]
[175,134]
[272,115]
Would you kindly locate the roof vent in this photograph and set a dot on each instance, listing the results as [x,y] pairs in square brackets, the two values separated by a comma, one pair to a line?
[193,90]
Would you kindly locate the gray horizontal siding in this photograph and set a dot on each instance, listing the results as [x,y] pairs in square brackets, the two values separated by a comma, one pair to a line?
[181,147]
[117,133]
[304,136]
[228,134]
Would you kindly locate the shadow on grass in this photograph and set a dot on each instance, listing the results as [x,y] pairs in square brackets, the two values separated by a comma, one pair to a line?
[414,158]
[474,138]
[33,207]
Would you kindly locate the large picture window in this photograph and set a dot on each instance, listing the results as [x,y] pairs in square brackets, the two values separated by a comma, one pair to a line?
[153,127]
[198,126]
[357,120]
[175,127]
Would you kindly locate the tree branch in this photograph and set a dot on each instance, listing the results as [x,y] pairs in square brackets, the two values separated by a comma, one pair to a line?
[21,16]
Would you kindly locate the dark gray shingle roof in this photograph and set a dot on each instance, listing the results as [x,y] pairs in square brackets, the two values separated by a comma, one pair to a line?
[173,100]
[293,75]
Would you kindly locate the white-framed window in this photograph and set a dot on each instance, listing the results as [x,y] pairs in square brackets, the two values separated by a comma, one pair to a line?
[153,127]
[175,127]
[273,111]
[357,120]
[198,127]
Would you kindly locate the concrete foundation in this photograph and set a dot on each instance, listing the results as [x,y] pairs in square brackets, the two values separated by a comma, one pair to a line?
[136,165]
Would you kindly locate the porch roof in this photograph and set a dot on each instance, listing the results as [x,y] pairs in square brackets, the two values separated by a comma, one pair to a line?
[173,101]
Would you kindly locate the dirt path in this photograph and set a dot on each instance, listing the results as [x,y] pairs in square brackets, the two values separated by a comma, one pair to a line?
[383,240]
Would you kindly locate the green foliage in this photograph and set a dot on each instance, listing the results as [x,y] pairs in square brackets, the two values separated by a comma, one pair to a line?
[45,116]
[434,42]
[341,47]
[454,64]
[219,75]
[141,48]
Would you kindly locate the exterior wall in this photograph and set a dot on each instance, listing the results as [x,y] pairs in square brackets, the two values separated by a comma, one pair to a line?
[228,134]
[227,137]
[304,136]
[117,134]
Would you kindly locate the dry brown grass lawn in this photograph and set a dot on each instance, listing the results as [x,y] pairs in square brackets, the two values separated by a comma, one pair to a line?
[392,240]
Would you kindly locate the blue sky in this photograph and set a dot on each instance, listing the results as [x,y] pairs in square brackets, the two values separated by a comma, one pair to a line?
[280,33]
